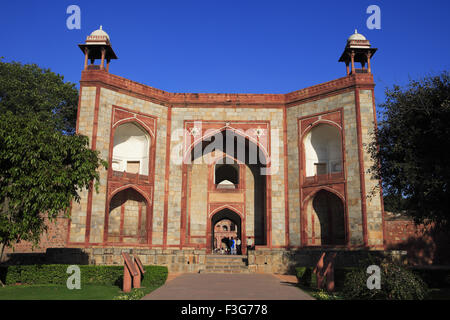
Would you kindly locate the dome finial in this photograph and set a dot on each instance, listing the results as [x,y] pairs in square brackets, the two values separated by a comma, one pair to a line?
[356,31]
[101,27]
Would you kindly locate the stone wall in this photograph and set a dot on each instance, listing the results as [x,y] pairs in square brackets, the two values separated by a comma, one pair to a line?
[285,261]
[198,201]
[424,245]
[346,101]
[55,237]
[373,199]
[107,100]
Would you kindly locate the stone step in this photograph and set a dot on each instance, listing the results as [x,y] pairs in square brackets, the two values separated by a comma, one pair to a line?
[230,263]
[225,271]
[226,258]
[227,267]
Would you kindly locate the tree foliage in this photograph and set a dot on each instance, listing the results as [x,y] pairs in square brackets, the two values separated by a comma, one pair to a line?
[411,147]
[28,89]
[44,165]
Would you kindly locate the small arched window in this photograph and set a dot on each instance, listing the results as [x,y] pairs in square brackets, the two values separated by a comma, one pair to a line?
[226,176]
[131,149]
[323,150]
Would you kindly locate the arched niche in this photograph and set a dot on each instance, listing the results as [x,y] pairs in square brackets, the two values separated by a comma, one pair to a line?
[325,221]
[131,149]
[128,217]
[323,150]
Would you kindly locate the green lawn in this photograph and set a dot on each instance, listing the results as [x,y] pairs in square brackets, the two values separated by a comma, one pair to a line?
[59,292]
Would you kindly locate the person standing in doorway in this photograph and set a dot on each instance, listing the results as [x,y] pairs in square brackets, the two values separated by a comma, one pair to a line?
[249,243]
[238,244]
[233,246]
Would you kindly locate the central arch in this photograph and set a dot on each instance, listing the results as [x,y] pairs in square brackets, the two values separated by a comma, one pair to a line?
[224,215]
[242,150]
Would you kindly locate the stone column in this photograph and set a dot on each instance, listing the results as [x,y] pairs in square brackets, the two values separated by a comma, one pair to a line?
[102,65]
[86,54]
[352,55]
[368,62]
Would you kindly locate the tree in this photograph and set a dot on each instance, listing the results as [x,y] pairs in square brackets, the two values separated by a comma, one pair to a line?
[44,165]
[410,149]
[28,89]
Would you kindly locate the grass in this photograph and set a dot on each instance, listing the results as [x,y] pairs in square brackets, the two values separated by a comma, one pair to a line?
[60,292]
[320,294]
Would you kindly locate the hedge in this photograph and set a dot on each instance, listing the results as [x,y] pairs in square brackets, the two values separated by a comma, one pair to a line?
[306,276]
[90,274]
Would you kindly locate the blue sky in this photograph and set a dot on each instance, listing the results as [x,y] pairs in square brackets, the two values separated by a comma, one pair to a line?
[243,46]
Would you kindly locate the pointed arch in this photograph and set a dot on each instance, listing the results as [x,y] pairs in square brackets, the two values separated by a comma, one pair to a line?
[325,218]
[223,213]
[128,218]
[213,132]
[141,123]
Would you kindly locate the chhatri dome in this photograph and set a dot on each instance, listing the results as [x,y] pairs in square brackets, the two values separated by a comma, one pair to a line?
[356,36]
[100,32]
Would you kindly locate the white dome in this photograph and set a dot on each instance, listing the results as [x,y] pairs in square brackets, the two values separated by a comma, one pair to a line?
[356,36]
[100,32]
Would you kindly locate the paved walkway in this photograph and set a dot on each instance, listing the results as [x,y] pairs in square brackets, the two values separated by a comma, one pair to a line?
[225,286]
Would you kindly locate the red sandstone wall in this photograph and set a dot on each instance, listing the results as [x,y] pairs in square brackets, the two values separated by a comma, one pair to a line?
[55,237]
[424,245]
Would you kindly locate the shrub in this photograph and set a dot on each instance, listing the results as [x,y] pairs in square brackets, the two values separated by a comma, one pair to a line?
[339,276]
[300,273]
[397,283]
[90,274]
[306,276]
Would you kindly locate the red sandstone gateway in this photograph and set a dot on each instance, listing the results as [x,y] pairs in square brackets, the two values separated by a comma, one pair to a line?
[315,199]
[313,195]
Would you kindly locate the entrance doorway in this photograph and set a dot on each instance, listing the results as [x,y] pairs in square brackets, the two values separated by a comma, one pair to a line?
[225,226]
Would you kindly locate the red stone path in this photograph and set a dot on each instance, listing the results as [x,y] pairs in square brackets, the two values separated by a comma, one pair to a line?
[225,286]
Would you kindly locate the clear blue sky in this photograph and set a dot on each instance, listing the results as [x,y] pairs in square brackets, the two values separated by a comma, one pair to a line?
[243,46]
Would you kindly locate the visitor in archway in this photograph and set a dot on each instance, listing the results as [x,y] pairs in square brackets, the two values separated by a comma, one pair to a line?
[226,240]
[224,245]
[233,246]
[238,245]
[249,243]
